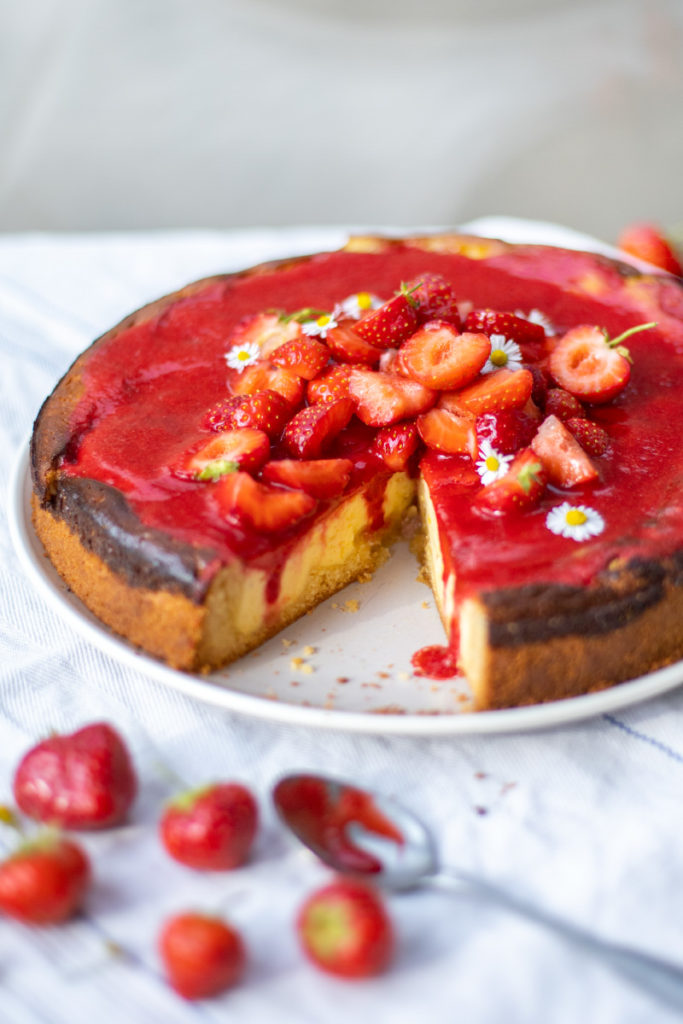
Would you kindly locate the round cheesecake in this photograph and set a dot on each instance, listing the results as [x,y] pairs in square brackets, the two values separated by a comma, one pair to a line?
[232,454]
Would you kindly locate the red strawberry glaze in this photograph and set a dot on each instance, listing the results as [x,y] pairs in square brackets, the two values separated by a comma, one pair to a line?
[435,662]
[147,389]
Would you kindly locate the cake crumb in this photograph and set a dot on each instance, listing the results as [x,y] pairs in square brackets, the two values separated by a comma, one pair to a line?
[404,675]
[307,669]
[296,663]
[295,682]
[271,694]
[352,606]
[343,679]
[308,651]
[365,577]
[383,675]
[335,604]
[371,686]
[426,604]
[287,643]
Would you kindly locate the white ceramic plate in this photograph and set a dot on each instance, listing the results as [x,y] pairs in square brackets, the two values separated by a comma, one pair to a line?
[347,664]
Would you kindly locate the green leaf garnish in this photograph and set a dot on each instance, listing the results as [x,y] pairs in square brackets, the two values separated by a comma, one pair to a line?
[616,343]
[218,468]
[302,315]
[528,475]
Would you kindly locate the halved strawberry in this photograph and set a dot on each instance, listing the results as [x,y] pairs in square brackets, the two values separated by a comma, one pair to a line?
[390,362]
[563,458]
[496,392]
[311,430]
[438,357]
[590,365]
[451,432]
[560,403]
[506,431]
[303,356]
[520,489]
[435,298]
[321,478]
[264,410]
[391,323]
[593,438]
[515,328]
[396,444]
[331,385]
[266,330]
[264,508]
[267,377]
[648,242]
[348,347]
[385,398]
[226,452]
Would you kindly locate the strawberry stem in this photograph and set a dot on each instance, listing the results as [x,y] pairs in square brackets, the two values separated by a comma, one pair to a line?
[614,342]
[302,315]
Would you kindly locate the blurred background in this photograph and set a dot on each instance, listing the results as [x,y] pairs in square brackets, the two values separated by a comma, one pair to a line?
[126,114]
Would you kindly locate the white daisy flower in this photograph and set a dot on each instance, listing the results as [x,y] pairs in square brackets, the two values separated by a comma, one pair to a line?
[505,355]
[577,522]
[319,327]
[356,306]
[534,316]
[491,465]
[241,356]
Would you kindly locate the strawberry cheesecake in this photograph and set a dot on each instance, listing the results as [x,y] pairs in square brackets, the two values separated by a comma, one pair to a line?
[227,457]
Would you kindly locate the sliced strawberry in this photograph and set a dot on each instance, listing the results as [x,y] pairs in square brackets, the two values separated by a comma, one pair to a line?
[396,444]
[539,391]
[267,377]
[390,362]
[520,489]
[452,432]
[385,398]
[648,242]
[303,356]
[321,478]
[389,324]
[311,430]
[515,328]
[438,357]
[264,410]
[435,298]
[331,385]
[506,431]
[226,452]
[264,508]
[266,330]
[560,403]
[497,392]
[348,347]
[593,438]
[563,458]
[590,365]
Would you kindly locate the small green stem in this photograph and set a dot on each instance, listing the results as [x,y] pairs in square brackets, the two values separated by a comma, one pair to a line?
[627,334]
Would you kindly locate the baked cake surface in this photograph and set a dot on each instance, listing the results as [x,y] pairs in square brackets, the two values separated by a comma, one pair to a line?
[184,566]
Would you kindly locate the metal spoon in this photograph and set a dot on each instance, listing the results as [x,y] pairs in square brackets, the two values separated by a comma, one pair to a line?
[364,834]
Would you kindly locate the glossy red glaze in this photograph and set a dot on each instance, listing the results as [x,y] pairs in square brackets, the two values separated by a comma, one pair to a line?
[435,662]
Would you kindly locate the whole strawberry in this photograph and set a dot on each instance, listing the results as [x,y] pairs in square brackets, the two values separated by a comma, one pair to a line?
[202,955]
[210,829]
[85,780]
[44,881]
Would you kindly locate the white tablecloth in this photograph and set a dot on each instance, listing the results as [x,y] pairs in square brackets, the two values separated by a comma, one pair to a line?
[583,820]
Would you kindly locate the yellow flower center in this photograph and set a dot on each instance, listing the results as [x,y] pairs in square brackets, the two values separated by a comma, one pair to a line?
[364,300]
[498,357]
[243,355]
[575,517]
[492,463]
[323,320]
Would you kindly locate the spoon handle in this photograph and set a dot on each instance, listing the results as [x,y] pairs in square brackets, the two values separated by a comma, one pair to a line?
[659,978]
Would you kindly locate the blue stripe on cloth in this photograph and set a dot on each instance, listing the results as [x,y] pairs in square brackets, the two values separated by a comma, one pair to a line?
[669,751]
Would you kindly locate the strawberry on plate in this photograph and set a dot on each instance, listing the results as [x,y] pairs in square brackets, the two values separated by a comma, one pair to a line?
[439,357]
[303,356]
[331,385]
[385,398]
[560,403]
[345,929]
[519,490]
[202,954]
[268,377]
[265,330]
[391,323]
[81,780]
[314,428]
[494,392]
[347,346]
[211,828]
[396,444]
[593,438]
[590,365]
[506,431]
[264,410]
[243,448]
[514,328]
[435,299]
[321,478]
[648,242]
[264,508]
[44,881]
[563,458]
[452,431]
